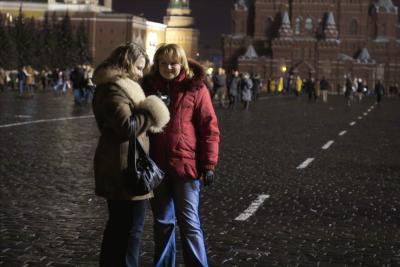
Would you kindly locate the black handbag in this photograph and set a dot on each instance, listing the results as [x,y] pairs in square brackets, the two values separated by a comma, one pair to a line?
[143,173]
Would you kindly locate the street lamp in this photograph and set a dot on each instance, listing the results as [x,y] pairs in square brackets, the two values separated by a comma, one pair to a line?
[283,69]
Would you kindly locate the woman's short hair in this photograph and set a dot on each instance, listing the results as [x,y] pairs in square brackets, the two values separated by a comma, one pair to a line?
[124,57]
[174,51]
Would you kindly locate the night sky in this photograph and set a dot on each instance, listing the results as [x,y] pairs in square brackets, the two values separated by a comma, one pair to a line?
[212,17]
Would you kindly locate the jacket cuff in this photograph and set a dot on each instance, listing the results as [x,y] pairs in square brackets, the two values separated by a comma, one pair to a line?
[158,111]
[209,167]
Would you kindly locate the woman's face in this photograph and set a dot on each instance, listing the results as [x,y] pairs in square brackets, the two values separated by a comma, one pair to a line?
[138,67]
[169,67]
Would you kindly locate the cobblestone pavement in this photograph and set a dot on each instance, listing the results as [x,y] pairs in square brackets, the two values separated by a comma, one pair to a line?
[340,210]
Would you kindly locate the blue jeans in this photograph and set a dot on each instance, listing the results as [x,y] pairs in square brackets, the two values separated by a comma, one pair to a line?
[21,87]
[124,229]
[178,199]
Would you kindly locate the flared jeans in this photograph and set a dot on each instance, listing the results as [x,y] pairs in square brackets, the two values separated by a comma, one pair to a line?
[177,200]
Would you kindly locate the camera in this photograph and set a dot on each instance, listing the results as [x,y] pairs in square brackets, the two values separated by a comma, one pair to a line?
[166,99]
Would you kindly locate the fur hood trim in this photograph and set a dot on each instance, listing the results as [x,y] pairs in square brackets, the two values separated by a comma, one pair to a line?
[131,88]
[155,106]
[199,73]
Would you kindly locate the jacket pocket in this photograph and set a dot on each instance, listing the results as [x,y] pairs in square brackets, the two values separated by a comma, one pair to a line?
[190,169]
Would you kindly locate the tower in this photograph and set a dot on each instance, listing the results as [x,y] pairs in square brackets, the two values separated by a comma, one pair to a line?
[285,31]
[180,25]
[330,30]
[239,14]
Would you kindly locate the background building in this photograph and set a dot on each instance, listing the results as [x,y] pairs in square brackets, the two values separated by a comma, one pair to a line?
[107,29]
[330,38]
[180,27]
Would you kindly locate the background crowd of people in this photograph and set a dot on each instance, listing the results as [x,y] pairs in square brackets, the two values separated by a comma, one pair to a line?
[27,80]
[243,87]
[226,90]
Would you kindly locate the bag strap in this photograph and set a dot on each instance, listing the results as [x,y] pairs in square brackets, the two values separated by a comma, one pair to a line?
[136,143]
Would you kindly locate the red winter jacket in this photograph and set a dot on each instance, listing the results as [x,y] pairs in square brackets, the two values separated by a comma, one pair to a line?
[190,141]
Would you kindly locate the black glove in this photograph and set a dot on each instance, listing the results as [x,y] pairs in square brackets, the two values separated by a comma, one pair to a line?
[208,177]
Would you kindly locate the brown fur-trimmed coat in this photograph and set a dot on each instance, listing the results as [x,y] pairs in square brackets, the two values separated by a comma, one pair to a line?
[116,99]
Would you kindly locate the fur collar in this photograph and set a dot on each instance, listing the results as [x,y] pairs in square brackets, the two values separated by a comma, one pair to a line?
[131,88]
[154,105]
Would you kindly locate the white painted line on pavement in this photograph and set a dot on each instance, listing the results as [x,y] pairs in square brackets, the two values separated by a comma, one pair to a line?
[305,163]
[41,121]
[365,113]
[360,118]
[328,144]
[342,133]
[352,123]
[23,116]
[252,208]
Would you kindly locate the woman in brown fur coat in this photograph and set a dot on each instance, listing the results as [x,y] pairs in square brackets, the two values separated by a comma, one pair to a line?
[122,113]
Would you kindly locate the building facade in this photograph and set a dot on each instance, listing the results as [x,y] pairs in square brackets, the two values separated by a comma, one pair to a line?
[180,27]
[330,38]
[108,29]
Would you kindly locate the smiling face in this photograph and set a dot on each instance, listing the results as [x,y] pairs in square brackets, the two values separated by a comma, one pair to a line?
[169,66]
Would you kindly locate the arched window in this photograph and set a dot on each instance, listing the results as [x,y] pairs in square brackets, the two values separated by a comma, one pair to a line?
[297,26]
[308,25]
[268,26]
[353,27]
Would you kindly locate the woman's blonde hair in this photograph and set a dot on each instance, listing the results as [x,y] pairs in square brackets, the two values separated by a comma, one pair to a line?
[124,57]
[174,51]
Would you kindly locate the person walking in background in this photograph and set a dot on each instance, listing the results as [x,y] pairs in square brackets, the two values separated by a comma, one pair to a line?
[324,86]
[77,78]
[43,78]
[245,87]
[30,80]
[292,84]
[309,87]
[365,89]
[61,82]
[299,85]
[233,88]
[3,79]
[348,93]
[89,85]
[360,89]
[208,81]
[219,83]
[122,113]
[256,89]
[379,91]
[22,75]
[187,151]
[286,84]
[272,86]
[280,85]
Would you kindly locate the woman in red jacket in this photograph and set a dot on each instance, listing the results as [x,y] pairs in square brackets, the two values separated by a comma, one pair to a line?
[187,150]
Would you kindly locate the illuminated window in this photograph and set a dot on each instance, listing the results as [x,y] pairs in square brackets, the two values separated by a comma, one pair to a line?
[308,25]
[152,39]
[298,26]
